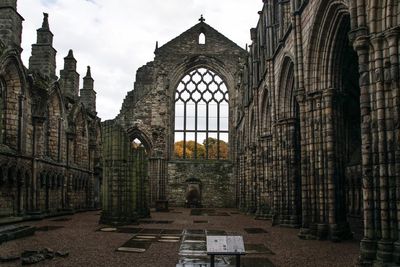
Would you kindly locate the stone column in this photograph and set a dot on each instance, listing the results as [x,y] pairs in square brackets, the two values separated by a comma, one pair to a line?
[157,175]
[385,245]
[368,243]
[330,153]
[393,41]
[293,172]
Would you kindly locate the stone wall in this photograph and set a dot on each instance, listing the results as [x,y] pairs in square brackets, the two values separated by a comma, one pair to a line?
[216,177]
[316,120]
[125,183]
[148,111]
[48,153]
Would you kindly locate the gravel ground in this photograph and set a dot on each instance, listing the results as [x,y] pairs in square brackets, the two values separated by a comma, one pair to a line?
[88,247]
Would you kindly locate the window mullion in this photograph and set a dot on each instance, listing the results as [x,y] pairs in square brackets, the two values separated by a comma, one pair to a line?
[218,135]
[207,114]
[184,131]
[195,130]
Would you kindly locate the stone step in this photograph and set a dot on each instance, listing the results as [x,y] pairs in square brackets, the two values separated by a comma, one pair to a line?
[12,232]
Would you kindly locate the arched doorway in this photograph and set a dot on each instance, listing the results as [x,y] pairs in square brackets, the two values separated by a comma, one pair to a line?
[336,145]
[348,129]
[140,160]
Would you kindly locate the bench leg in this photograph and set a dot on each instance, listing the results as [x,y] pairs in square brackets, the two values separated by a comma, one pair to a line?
[212,261]
[237,260]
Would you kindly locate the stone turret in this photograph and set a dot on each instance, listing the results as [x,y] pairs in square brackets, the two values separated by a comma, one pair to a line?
[69,78]
[10,23]
[88,95]
[43,57]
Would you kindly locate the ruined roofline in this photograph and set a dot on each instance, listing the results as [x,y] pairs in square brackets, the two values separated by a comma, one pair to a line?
[198,25]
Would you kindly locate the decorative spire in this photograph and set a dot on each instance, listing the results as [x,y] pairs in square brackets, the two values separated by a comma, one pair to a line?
[43,57]
[156,50]
[70,54]
[69,78]
[88,80]
[88,73]
[87,93]
[45,24]
[202,19]
[70,62]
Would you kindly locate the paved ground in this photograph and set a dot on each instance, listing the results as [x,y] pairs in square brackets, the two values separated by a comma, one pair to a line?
[89,247]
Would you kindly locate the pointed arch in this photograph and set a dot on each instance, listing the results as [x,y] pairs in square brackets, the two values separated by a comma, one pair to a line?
[266,116]
[13,79]
[202,38]
[286,93]
[331,17]
[81,136]
[253,127]
[201,116]
[55,124]
[136,133]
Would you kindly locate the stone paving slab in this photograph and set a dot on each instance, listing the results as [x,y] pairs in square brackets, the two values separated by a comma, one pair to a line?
[133,245]
[257,249]
[255,230]
[194,232]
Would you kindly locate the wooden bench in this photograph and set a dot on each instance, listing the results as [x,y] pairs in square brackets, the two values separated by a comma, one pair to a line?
[225,245]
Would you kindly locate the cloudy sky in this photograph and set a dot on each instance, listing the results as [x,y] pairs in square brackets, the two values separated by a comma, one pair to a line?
[116,37]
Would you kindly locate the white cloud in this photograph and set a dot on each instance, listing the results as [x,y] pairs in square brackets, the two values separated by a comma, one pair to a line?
[117,37]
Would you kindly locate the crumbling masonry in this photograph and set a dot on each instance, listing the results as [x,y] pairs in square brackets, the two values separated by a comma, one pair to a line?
[313,140]
[49,135]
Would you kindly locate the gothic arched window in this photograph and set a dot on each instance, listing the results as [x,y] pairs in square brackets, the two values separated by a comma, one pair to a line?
[201,116]
[202,38]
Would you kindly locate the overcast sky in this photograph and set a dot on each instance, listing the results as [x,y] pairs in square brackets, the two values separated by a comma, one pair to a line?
[116,37]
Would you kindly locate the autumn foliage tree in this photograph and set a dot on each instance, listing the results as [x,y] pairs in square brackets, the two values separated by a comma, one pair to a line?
[201,149]
[213,148]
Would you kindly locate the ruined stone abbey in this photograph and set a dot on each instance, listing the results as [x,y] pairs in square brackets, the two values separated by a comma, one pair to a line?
[302,127]
[49,134]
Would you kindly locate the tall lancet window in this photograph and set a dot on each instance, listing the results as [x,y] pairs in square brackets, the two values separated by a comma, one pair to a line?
[201,116]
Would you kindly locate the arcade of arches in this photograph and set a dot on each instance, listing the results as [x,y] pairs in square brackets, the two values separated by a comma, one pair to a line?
[50,135]
[301,128]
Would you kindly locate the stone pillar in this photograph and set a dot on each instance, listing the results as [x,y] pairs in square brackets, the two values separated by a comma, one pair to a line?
[293,172]
[328,95]
[393,41]
[368,243]
[385,245]
[158,183]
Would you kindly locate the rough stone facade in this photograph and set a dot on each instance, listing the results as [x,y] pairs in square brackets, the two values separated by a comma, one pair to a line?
[125,183]
[314,131]
[147,114]
[216,182]
[50,138]
[318,121]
